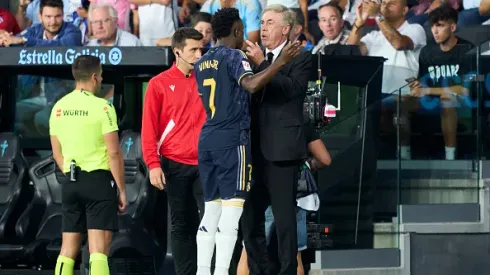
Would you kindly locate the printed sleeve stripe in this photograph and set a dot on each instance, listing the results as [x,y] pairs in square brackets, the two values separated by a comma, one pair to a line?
[241,172]
[244,74]
[243,54]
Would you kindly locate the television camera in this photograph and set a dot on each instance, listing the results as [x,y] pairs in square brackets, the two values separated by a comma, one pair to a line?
[316,105]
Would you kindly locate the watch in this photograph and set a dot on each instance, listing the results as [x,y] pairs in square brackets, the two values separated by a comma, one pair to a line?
[380,18]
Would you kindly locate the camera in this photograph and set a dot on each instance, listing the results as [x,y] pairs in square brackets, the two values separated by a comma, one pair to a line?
[314,104]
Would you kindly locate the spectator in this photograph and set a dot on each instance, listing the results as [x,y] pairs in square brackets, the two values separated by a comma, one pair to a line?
[249,10]
[122,9]
[157,18]
[103,21]
[470,15]
[442,70]
[397,40]
[294,4]
[8,23]
[28,12]
[43,91]
[297,32]
[419,14]
[332,25]
[52,31]
[201,22]
[188,8]
[80,19]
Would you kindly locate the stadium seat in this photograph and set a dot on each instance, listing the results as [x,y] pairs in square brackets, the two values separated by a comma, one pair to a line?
[12,187]
[133,242]
[41,221]
[133,232]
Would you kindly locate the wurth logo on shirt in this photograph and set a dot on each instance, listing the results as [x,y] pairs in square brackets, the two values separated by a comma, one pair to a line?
[75,113]
[58,113]
[172,87]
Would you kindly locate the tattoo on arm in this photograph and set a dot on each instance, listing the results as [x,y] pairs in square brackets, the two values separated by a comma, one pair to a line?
[390,35]
[393,36]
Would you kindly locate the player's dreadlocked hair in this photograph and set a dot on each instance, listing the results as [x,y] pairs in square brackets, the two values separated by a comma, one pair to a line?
[222,22]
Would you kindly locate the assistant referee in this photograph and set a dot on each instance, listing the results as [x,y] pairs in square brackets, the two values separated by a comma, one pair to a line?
[85,143]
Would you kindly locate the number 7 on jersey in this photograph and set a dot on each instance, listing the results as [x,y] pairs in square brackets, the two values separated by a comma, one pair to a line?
[212,85]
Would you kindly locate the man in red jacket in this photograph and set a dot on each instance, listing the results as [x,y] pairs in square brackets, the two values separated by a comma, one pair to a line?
[173,116]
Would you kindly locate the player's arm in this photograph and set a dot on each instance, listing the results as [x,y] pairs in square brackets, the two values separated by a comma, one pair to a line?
[321,156]
[240,68]
[294,83]
[254,83]
[111,141]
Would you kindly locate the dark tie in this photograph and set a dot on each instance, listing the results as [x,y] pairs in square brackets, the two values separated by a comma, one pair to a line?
[270,57]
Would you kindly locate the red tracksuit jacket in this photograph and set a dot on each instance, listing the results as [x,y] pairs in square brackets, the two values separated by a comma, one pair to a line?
[173,116]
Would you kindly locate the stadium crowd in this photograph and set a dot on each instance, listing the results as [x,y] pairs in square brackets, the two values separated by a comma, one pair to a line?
[418,40]
[151,20]
[397,30]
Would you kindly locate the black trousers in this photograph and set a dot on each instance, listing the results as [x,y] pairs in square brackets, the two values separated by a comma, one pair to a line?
[185,199]
[275,185]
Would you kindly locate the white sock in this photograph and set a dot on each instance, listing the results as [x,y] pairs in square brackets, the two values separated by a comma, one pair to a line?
[405,152]
[450,153]
[226,235]
[206,235]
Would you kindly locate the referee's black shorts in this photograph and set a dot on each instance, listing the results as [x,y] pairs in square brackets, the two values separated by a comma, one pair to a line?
[90,202]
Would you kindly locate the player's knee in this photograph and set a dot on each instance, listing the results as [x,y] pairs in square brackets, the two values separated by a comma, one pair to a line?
[235,202]
[210,220]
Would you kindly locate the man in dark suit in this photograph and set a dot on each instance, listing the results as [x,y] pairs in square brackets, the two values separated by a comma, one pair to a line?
[278,144]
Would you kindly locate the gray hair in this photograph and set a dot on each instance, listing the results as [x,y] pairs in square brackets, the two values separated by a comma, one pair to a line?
[112,11]
[288,16]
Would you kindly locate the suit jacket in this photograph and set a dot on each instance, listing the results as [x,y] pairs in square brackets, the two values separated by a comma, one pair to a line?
[277,111]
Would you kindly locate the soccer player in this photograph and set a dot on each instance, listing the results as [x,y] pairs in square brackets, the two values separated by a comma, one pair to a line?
[224,76]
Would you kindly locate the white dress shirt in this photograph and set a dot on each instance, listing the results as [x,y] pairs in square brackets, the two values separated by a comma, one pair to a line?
[275,51]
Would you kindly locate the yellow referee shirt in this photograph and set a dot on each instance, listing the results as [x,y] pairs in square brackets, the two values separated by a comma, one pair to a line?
[80,120]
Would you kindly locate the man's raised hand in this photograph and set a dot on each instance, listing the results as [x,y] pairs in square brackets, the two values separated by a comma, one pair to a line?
[289,52]
[254,52]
